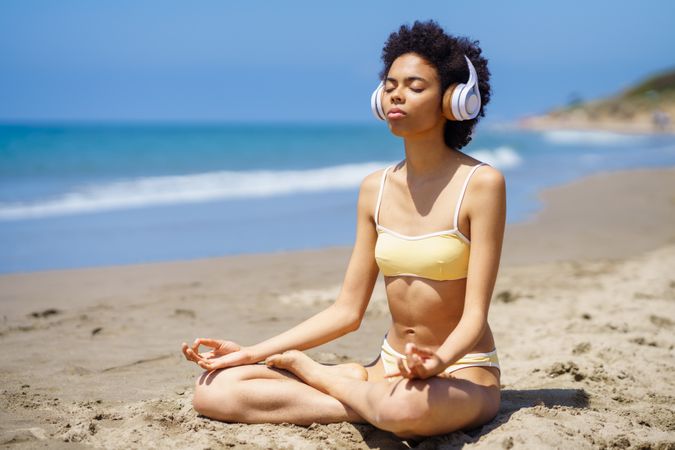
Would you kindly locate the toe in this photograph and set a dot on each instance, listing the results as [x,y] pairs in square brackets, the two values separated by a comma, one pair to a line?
[273,360]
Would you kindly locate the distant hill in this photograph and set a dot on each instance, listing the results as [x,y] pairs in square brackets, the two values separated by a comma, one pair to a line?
[648,106]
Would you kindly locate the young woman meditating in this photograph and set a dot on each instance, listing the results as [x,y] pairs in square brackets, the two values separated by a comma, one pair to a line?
[433,224]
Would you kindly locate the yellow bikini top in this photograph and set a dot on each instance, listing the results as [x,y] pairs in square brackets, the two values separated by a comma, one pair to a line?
[441,255]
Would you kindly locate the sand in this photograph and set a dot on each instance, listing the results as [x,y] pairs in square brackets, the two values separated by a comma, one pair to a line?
[583,314]
[641,125]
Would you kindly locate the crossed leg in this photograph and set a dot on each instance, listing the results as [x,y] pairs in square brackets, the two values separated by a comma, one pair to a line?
[260,394]
[407,408]
[307,392]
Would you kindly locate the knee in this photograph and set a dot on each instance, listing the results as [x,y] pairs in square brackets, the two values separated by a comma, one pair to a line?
[213,398]
[490,409]
[403,415]
[202,397]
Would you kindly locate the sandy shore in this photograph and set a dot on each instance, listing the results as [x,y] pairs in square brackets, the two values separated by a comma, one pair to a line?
[583,314]
[543,123]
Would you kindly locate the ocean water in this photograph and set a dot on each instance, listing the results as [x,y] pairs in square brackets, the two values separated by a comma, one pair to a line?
[90,195]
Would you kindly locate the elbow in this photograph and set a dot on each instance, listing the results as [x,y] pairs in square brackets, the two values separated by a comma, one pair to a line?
[352,324]
[351,321]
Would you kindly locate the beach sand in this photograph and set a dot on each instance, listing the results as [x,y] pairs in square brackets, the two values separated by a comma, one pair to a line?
[583,314]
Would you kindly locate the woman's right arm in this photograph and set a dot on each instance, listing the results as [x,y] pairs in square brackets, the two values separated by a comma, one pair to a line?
[346,313]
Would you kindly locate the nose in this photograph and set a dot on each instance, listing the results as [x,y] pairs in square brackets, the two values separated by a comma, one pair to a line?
[396,96]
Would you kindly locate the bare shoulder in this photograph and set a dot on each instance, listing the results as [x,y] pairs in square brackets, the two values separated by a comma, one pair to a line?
[370,186]
[371,182]
[486,193]
[488,180]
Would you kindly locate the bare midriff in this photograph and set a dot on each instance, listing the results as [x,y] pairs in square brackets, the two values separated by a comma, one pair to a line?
[425,312]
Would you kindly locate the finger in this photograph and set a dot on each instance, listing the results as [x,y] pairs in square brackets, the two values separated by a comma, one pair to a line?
[423,351]
[213,343]
[208,355]
[414,361]
[195,356]
[214,365]
[402,368]
[419,351]
[410,356]
[187,351]
[207,342]
[207,365]
[221,362]
[184,348]
[416,368]
[271,360]
[195,346]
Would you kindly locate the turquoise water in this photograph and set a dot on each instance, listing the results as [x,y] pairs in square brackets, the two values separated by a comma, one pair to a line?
[89,195]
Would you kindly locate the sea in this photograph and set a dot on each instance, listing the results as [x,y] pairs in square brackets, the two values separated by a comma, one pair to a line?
[86,195]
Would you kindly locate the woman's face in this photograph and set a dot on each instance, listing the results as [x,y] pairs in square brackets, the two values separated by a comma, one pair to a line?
[413,87]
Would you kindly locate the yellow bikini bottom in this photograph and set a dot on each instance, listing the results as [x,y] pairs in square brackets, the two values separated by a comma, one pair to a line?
[389,355]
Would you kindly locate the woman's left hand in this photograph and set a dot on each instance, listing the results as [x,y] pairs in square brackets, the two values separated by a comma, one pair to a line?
[419,363]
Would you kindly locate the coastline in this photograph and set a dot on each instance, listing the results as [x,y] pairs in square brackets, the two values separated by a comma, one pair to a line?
[582,314]
[546,123]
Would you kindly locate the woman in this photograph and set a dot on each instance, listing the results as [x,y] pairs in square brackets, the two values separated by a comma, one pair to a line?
[438,369]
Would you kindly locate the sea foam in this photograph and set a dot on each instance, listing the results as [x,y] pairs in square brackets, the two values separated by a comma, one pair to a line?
[573,137]
[502,157]
[194,188]
[210,186]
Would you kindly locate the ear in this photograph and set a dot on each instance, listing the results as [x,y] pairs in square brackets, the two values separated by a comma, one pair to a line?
[446,102]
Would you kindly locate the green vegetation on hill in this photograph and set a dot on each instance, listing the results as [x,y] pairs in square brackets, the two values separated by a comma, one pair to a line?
[663,83]
[637,102]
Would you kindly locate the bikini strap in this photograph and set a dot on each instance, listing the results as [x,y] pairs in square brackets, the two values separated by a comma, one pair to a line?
[461,194]
[379,194]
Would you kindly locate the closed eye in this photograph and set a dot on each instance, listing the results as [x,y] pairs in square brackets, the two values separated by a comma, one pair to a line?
[413,89]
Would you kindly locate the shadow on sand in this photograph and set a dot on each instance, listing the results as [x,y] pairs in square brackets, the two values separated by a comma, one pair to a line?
[512,400]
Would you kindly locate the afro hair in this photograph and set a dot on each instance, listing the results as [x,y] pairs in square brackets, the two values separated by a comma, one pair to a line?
[446,53]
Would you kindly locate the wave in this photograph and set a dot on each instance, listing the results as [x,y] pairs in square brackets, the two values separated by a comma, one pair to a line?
[210,186]
[567,137]
[502,157]
[203,187]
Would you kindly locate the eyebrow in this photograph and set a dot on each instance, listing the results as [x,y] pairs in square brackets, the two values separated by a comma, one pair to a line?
[407,78]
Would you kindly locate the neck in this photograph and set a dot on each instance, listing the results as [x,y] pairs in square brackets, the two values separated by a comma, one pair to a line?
[426,154]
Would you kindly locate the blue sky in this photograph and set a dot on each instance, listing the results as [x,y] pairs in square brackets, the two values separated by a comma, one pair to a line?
[152,60]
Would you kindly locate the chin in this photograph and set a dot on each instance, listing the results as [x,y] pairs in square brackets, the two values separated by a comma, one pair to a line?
[399,129]
[402,128]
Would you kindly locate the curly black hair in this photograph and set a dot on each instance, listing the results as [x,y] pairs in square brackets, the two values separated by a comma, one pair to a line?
[446,53]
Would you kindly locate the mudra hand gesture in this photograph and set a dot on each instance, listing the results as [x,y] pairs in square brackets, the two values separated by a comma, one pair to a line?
[224,354]
[419,363]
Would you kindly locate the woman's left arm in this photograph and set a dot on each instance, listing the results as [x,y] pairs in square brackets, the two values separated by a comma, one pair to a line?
[487,214]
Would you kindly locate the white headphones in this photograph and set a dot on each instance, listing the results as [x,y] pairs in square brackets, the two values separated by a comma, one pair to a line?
[460,101]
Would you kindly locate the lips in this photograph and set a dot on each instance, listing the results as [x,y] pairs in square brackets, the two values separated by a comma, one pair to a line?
[395,113]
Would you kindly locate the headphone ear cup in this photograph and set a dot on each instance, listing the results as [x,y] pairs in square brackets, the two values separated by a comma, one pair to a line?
[471,104]
[449,100]
[461,101]
[376,102]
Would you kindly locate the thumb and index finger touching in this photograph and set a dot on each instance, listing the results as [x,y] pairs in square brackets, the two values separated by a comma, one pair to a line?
[192,352]
[414,362]
[207,342]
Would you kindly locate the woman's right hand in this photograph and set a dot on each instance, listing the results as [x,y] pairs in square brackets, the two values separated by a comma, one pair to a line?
[223,354]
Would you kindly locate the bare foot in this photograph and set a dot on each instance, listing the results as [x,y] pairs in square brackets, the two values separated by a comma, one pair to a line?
[350,370]
[311,372]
